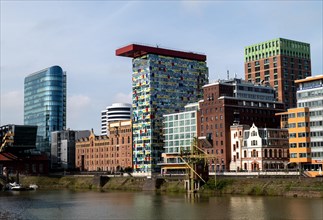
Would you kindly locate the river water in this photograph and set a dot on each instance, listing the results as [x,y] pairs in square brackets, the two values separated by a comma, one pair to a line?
[67,204]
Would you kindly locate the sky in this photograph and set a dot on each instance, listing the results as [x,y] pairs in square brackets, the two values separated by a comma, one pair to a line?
[82,36]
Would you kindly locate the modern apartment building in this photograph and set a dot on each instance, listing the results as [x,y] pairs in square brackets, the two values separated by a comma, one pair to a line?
[163,82]
[17,138]
[261,149]
[180,129]
[279,62]
[115,112]
[232,101]
[45,104]
[15,154]
[305,125]
[63,148]
[111,153]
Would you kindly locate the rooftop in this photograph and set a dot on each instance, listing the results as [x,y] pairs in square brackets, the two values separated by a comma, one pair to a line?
[310,78]
[135,50]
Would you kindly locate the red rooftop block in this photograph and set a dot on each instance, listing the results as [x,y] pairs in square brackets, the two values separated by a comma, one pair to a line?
[135,50]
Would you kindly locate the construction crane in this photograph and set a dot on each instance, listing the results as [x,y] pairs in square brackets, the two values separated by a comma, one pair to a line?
[193,159]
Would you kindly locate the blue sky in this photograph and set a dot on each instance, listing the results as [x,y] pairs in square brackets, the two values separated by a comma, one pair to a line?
[82,36]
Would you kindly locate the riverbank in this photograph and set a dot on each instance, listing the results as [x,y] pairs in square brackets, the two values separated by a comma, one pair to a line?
[292,187]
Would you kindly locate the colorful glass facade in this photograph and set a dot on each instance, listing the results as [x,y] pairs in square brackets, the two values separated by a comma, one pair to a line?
[45,104]
[161,85]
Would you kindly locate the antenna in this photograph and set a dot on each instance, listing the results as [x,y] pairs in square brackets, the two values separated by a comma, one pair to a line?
[228,75]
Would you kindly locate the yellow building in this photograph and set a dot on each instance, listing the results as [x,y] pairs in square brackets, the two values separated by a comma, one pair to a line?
[305,126]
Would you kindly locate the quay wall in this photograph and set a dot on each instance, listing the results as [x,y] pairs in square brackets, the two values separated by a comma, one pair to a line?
[295,187]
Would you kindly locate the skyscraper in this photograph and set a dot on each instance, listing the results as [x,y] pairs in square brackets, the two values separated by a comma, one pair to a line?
[115,112]
[279,62]
[163,82]
[45,104]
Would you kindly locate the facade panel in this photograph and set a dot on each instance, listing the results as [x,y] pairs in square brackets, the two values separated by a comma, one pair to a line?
[163,82]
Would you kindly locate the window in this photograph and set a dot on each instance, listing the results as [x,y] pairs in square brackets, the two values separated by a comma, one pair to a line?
[292,135]
[254,143]
[292,145]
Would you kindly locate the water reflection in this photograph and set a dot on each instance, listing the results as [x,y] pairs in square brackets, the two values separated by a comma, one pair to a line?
[143,205]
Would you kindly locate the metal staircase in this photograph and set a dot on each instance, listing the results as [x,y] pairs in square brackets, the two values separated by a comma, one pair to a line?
[6,140]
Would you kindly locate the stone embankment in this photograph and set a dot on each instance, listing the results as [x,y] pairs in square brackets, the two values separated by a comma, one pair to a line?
[295,187]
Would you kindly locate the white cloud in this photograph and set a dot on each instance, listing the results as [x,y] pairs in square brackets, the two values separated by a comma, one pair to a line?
[194,6]
[76,102]
[78,111]
[122,97]
[82,37]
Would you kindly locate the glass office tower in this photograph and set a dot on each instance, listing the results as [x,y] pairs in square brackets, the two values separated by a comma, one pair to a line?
[45,104]
[163,82]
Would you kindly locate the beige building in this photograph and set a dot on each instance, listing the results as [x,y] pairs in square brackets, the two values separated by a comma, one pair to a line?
[111,153]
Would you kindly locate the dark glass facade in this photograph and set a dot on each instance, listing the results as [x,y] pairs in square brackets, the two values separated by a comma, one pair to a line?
[45,104]
[17,137]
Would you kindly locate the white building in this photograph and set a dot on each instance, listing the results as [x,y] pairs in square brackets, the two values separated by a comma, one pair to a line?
[310,95]
[258,149]
[115,112]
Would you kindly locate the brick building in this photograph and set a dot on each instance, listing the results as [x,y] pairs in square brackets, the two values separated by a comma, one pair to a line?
[111,153]
[278,62]
[228,101]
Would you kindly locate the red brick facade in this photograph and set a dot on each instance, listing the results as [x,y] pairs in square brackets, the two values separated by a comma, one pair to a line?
[280,72]
[111,153]
[217,111]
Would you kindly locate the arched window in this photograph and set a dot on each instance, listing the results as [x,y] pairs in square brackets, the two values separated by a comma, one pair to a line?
[280,153]
[122,140]
[270,153]
[128,140]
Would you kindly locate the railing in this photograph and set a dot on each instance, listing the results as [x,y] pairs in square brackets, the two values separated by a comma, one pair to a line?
[257,173]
